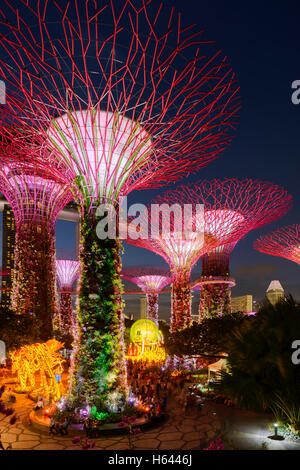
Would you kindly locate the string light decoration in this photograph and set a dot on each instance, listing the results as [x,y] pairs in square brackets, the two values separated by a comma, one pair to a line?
[39,369]
[284,242]
[125,98]
[36,199]
[255,204]
[146,342]
[67,271]
[151,280]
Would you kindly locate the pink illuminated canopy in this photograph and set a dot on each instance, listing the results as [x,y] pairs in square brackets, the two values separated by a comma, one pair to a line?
[149,278]
[67,272]
[284,242]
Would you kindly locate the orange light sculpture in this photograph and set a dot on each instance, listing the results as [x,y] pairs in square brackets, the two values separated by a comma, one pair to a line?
[39,360]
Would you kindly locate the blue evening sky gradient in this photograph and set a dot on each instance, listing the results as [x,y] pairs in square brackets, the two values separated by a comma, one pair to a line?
[262,42]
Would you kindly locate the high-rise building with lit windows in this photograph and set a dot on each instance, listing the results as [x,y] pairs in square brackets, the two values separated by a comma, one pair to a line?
[8,244]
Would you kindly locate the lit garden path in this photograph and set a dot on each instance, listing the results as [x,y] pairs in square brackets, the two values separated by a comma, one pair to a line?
[177,432]
[248,430]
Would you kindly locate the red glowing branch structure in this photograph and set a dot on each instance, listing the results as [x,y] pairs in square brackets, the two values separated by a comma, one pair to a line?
[181,247]
[284,242]
[151,280]
[67,271]
[124,98]
[231,208]
[258,203]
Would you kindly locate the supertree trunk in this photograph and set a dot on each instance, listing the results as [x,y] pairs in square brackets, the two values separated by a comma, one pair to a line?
[34,284]
[215,300]
[98,376]
[152,307]
[66,313]
[181,315]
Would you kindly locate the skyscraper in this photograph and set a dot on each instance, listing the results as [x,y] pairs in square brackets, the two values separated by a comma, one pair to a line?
[243,303]
[274,292]
[8,244]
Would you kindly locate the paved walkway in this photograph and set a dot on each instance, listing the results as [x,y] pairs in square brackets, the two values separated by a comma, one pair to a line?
[244,430]
[178,432]
[248,430]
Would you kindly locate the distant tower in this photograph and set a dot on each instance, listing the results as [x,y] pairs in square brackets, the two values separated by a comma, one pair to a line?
[8,245]
[274,292]
[143,305]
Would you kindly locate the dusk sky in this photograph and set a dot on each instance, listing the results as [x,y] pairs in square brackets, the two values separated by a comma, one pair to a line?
[261,40]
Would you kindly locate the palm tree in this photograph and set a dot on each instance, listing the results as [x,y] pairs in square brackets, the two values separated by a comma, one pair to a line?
[260,366]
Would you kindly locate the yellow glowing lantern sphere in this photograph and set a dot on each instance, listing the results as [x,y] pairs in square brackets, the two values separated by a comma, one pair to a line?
[144,330]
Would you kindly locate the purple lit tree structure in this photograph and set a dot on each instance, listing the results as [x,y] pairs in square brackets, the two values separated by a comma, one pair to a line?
[121,110]
[183,243]
[284,242]
[67,271]
[256,203]
[231,208]
[36,201]
[151,280]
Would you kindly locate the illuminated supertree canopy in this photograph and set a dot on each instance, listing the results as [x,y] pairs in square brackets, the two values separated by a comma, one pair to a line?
[125,97]
[182,249]
[284,242]
[151,280]
[67,271]
[231,208]
[36,201]
[256,203]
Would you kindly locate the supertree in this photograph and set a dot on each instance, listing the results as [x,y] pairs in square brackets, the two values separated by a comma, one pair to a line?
[151,280]
[67,271]
[183,243]
[255,203]
[36,200]
[122,111]
[284,242]
[231,208]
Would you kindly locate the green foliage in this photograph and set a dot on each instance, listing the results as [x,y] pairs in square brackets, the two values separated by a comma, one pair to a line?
[284,409]
[261,374]
[209,336]
[99,377]
[100,416]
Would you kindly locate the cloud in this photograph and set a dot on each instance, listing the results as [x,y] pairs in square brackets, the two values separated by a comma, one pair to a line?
[260,270]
